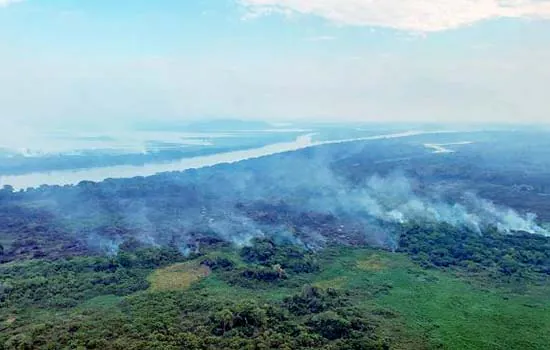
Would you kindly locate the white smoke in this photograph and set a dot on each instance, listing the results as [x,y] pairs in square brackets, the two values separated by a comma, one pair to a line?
[108,246]
[392,200]
[236,229]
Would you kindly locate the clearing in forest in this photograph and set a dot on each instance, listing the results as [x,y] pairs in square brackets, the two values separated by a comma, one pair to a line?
[373,263]
[177,277]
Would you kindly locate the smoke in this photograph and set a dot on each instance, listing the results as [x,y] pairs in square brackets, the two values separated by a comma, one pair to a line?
[235,228]
[302,199]
[107,246]
[506,220]
[392,199]
[374,209]
[135,216]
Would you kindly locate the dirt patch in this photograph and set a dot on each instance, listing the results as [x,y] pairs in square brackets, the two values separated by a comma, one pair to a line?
[177,277]
[373,263]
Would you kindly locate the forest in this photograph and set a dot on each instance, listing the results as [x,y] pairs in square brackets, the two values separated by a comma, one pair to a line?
[256,256]
[267,295]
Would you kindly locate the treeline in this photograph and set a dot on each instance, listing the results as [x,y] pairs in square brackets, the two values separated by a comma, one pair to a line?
[441,245]
[178,320]
[65,283]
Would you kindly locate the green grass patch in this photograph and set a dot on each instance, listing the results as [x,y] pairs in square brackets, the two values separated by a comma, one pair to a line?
[177,277]
[446,309]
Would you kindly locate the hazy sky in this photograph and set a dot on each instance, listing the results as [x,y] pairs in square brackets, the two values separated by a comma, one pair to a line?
[98,61]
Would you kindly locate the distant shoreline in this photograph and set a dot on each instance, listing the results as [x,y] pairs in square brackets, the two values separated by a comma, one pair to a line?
[73,177]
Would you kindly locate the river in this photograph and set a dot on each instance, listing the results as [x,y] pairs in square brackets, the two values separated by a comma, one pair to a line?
[73,177]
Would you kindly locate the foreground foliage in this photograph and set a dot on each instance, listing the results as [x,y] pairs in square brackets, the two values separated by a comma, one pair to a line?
[261,298]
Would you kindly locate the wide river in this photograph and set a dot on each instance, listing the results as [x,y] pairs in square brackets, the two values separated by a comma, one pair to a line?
[73,177]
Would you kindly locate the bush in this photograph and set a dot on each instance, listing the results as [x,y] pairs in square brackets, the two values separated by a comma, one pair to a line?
[330,325]
[314,300]
[218,263]
[289,256]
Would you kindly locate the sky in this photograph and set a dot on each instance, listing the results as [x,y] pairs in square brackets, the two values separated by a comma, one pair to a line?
[114,62]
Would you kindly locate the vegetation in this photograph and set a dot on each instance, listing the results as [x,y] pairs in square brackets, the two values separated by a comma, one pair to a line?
[169,262]
[519,255]
[355,299]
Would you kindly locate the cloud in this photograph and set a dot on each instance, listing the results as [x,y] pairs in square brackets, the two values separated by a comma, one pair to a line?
[410,15]
[4,3]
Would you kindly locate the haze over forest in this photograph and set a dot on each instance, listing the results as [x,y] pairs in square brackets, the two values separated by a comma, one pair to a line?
[274,174]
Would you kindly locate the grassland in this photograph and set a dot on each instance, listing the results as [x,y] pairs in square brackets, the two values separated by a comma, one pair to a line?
[450,311]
